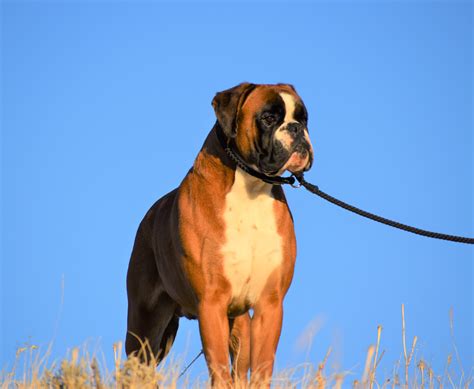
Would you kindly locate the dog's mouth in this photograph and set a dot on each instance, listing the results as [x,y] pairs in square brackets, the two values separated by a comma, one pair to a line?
[296,158]
[299,161]
[300,158]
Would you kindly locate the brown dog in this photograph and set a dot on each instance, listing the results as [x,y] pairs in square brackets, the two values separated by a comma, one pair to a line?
[223,242]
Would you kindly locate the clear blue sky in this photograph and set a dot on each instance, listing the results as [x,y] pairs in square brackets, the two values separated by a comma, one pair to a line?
[105,106]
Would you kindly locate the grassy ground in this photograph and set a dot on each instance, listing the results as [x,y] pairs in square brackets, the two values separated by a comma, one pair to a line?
[80,369]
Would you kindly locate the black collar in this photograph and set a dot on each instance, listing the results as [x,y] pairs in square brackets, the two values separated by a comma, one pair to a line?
[234,156]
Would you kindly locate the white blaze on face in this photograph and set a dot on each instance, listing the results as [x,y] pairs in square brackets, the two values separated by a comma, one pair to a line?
[253,247]
[280,134]
[290,103]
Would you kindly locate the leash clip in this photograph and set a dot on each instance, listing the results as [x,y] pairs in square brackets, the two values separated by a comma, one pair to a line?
[296,184]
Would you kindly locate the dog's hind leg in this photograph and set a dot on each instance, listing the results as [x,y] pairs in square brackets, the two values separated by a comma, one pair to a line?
[168,337]
[151,330]
[239,347]
[151,311]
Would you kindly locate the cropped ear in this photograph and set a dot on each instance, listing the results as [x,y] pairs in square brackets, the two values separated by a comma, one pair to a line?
[227,105]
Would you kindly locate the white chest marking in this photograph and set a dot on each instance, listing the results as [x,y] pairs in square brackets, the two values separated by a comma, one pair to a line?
[253,246]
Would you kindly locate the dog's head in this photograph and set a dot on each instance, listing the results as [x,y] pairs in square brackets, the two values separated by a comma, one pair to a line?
[268,124]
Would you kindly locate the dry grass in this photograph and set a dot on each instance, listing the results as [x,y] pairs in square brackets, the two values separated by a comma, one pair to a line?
[80,369]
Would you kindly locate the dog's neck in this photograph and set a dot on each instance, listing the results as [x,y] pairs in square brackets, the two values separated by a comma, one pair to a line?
[213,163]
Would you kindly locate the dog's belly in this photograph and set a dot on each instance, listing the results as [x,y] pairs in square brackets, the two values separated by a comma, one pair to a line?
[253,246]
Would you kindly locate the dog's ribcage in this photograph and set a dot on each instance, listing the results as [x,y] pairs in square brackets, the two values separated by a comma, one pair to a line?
[253,247]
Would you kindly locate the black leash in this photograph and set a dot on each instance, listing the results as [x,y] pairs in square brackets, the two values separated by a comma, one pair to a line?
[436,235]
[276,180]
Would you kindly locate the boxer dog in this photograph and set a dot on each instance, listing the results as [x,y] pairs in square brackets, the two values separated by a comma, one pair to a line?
[222,244]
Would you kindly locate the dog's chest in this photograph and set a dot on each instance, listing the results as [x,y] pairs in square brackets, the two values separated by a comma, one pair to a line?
[253,246]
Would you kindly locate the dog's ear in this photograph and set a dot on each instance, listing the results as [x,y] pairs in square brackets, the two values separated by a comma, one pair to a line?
[289,86]
[227,105]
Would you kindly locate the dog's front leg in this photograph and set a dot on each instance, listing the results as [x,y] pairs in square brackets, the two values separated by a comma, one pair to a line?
[265,333]
[214,329]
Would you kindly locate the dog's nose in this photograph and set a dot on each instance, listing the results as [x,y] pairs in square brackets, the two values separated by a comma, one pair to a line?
[295,128]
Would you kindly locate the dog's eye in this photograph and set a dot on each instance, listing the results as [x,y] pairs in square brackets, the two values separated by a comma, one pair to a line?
[268,119]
